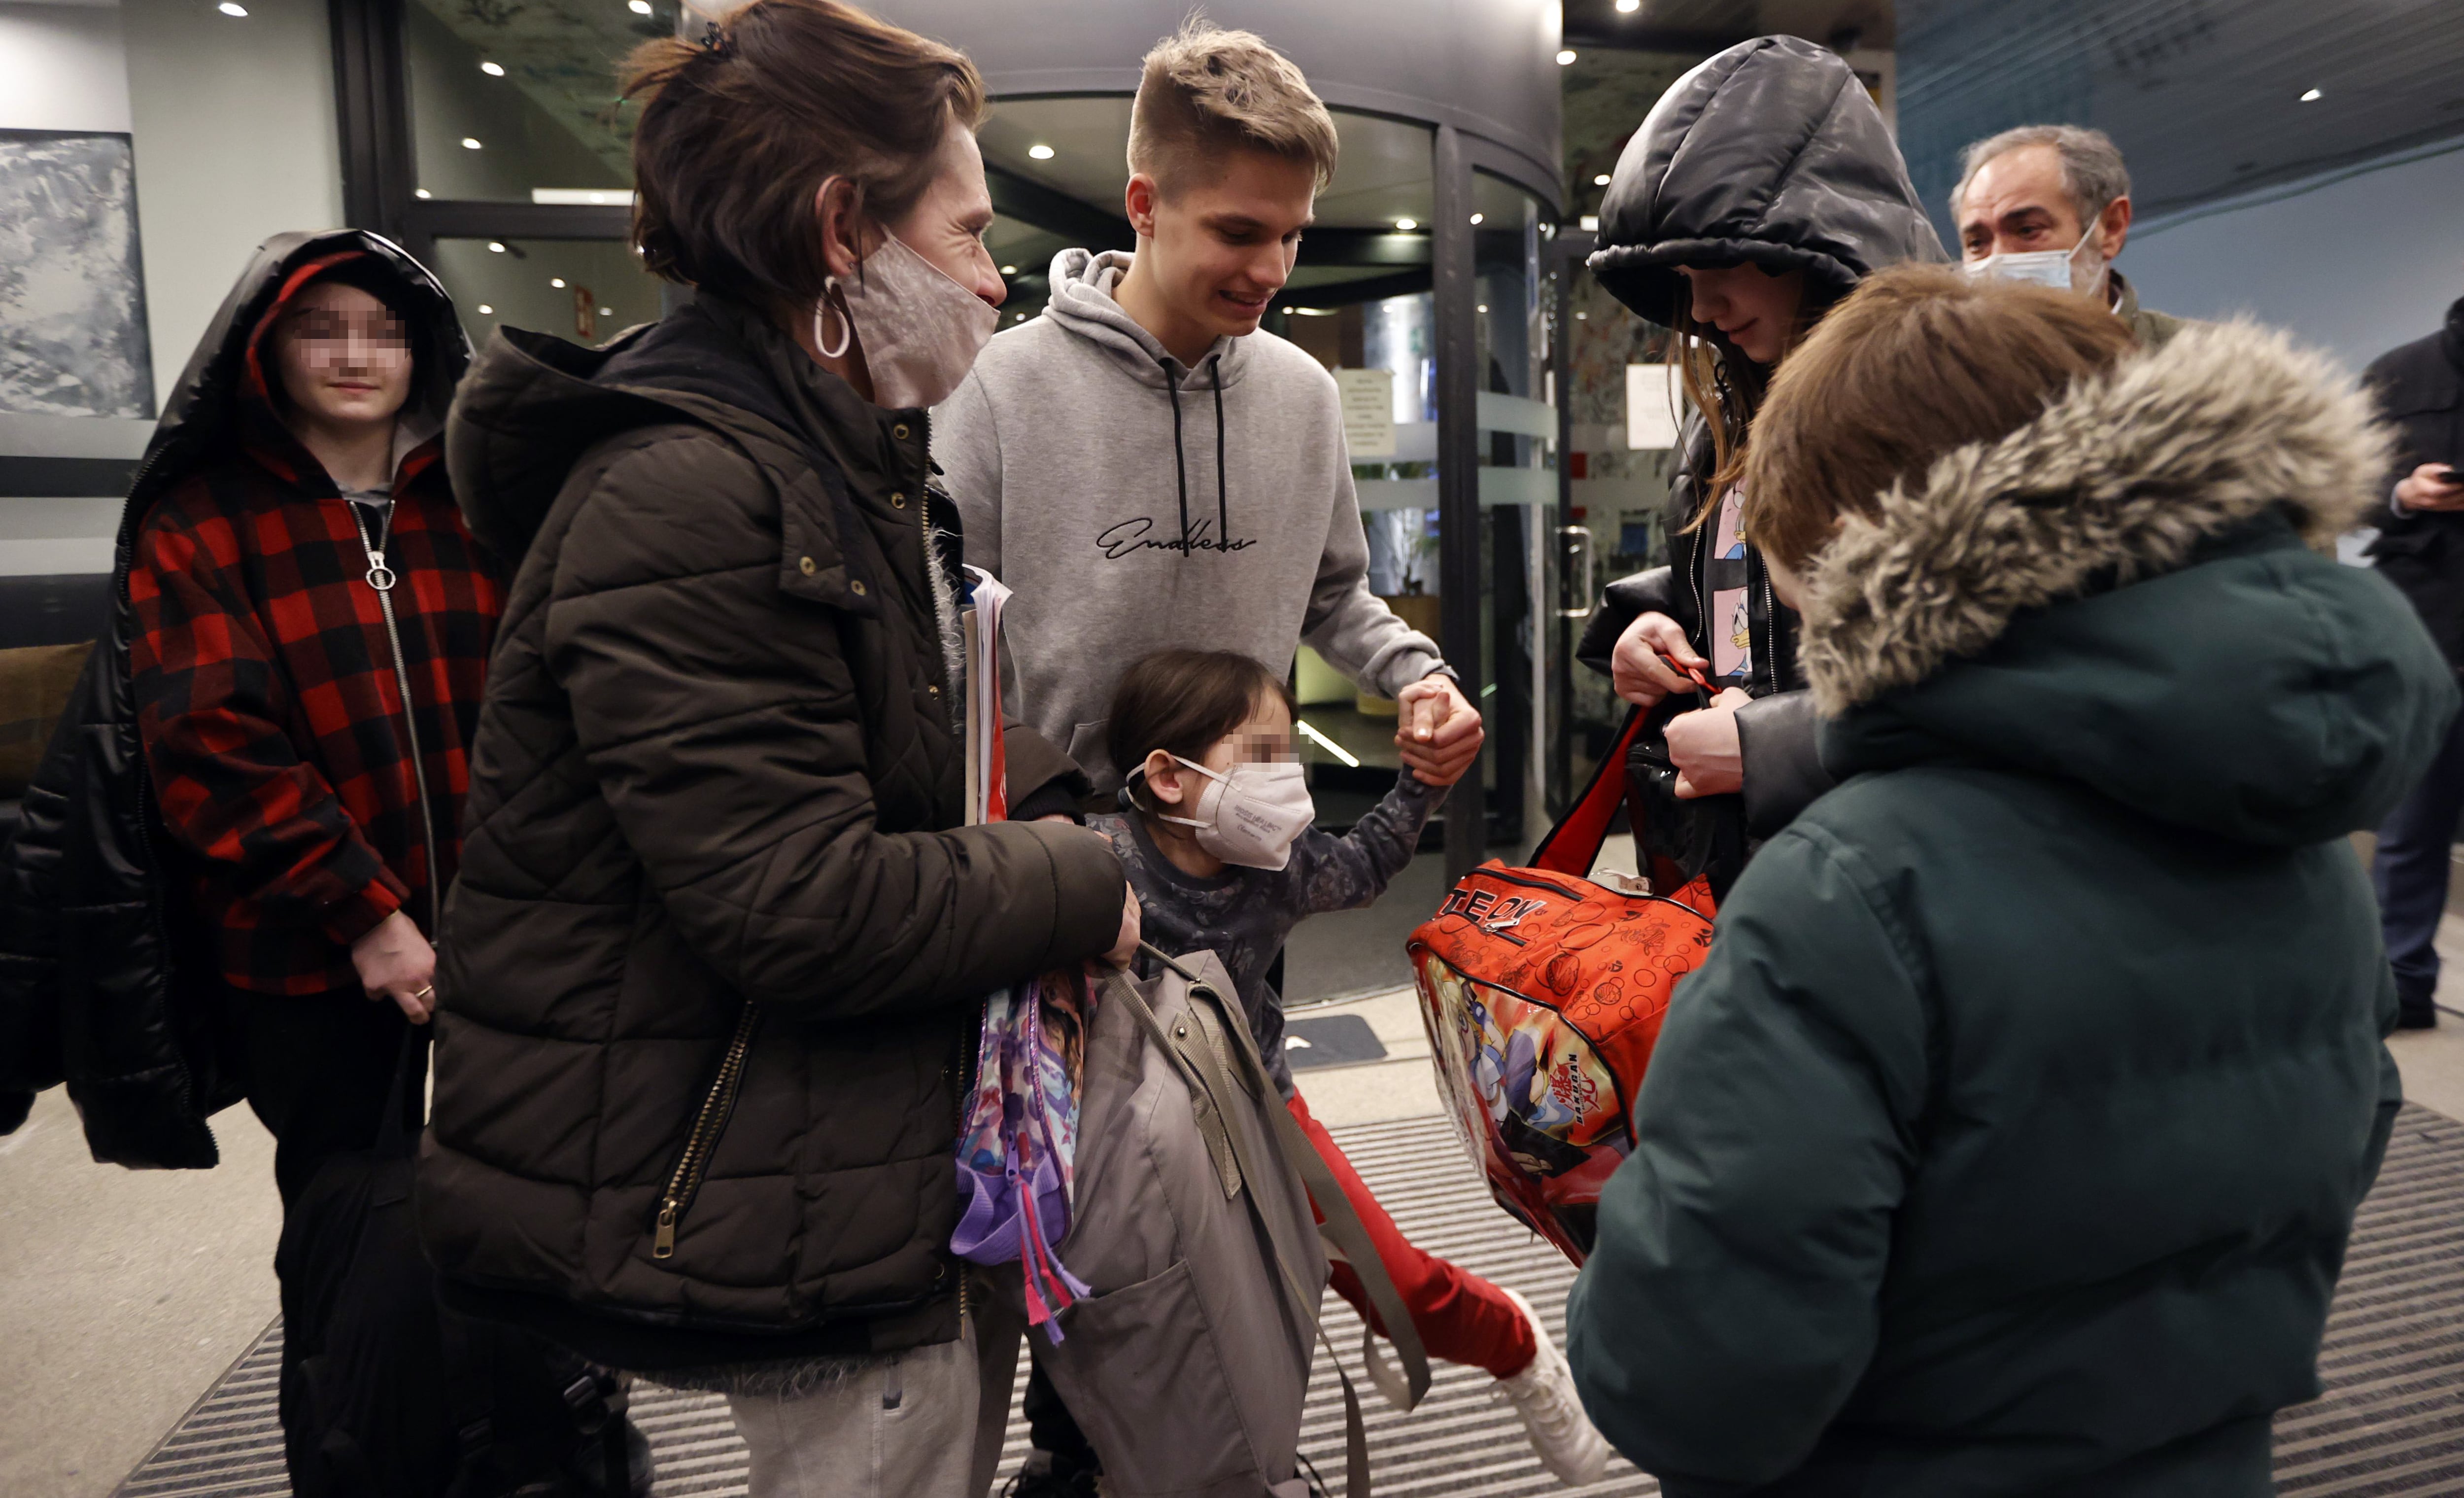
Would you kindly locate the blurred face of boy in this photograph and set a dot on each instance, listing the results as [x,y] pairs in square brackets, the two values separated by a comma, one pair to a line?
[1215,248]
[346,360]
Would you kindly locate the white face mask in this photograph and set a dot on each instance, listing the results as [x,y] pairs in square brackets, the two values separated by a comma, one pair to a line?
[1253,815]
[2076,269]
[921,330]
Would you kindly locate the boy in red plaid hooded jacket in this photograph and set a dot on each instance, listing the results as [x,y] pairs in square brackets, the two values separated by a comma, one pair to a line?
[304,577]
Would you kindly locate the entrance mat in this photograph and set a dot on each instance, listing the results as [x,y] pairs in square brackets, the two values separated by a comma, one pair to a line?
[2390,1423]
[1340,1039]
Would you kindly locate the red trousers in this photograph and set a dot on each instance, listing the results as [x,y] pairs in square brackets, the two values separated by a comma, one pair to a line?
[1461,1318]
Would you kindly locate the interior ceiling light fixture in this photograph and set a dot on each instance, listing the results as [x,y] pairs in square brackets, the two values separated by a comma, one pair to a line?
[638,7]
[1565,55]
[1313,312]
[2310,97]
[470,143]
[1601,180]
[1009,269]
[493,70]
[232,9]
[1476,217]
[557,281]
[1628,6]
[1041,153]
[419,193]
[487,311]
[1406,225]
[496,247]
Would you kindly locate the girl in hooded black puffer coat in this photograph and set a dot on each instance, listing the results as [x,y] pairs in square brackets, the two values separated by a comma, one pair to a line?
[1761,188]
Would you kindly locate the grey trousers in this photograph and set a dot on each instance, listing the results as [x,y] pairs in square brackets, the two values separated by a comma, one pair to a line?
[926,1423]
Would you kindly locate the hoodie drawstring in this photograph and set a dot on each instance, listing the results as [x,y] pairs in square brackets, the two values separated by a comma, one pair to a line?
[1222,503]
[1180,464]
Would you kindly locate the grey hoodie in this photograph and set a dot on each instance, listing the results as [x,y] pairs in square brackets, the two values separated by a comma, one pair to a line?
[1134,505]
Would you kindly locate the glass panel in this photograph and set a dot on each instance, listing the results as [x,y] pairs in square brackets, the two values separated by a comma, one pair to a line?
[515,101]
[1518,486]
[586,290]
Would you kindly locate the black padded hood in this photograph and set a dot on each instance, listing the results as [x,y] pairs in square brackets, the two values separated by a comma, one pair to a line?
[1770,152]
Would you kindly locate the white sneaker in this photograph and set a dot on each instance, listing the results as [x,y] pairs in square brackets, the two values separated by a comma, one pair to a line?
[1543,1394]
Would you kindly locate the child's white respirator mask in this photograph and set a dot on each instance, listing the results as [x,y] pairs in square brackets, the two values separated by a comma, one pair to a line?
[1252,815]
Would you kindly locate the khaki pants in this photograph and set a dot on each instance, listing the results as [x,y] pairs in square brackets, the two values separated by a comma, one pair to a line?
[927,1423]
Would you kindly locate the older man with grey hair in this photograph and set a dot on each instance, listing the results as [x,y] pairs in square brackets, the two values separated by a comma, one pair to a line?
[2051,204]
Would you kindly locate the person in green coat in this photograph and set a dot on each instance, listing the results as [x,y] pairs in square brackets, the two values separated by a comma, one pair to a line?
[2009,1140]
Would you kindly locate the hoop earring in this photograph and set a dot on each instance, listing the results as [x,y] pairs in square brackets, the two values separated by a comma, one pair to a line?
[821,310]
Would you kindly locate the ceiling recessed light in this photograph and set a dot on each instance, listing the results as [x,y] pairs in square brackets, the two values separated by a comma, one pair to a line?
[470,143]
[1482,307]
[638,7]
[1588,222]
[1017,317]
[419,193]
[1582,316]
[607,312]
[1041,153]
[232,8]
[1476,217]
[1009,269]
[496,247]
[493,70]
[487,311]
[1314,312]
[2310,97]
[1628,6]
[1565,55]
[1407,225]
[1601,180]
[557,281]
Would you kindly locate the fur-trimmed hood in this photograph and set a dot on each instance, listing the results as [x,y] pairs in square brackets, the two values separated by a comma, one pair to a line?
[2127,591]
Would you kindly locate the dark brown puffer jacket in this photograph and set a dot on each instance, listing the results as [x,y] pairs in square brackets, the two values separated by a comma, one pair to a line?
[716,768]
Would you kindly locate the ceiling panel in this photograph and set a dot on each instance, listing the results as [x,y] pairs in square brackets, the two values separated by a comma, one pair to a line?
[2203,97]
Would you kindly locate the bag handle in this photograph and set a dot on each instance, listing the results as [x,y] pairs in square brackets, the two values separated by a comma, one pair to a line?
[1574,844]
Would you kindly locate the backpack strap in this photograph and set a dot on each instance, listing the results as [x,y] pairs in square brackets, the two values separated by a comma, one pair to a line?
[1574,844]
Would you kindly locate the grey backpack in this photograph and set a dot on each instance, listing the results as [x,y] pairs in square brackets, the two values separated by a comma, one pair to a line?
[1188,1365]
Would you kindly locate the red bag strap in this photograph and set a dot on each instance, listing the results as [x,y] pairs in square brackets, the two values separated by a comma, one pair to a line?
[1574,844]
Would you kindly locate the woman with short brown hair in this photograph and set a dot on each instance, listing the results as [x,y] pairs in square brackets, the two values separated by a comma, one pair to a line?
[721,944]
[2010,1139]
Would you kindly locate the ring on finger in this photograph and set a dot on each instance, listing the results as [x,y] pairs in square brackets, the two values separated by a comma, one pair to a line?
[424,991]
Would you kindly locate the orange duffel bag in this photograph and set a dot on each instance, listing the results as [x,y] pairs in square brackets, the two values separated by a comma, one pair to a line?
[1543,989]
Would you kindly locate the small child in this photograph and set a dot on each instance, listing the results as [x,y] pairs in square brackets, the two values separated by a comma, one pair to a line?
[1220,849]
[1222,854]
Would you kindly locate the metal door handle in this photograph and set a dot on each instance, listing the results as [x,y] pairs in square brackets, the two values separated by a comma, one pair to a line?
[1579,542]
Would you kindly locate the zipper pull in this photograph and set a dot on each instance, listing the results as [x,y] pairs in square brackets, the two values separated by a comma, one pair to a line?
[664,1245]
[380,576]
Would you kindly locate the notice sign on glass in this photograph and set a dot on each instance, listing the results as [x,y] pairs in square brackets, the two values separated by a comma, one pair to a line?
[1368,411]
[1655,402]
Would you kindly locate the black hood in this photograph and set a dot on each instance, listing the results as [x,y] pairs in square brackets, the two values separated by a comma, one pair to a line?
[207,402]
[1770,152]
[536,403]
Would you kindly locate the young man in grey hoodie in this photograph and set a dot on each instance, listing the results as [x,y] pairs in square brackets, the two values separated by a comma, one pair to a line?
[1147,469]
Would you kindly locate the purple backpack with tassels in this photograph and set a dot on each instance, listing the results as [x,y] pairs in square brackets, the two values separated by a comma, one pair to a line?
[1019,1137]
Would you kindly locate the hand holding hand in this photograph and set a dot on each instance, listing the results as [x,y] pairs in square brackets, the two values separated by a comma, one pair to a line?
[1438,733]
[1642,676]
[2423,489]
[1704,747]
[395,961]
[1125,946]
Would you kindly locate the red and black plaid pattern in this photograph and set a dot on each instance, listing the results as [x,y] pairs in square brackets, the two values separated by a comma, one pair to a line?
[269,708]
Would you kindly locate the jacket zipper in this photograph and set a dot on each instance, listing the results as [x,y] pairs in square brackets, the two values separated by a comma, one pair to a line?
[382,579]
[684,1183]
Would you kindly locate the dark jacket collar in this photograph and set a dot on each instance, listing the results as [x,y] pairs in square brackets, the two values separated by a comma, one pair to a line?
[2452,338]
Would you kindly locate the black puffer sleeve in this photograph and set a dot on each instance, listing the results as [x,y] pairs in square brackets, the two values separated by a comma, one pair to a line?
[1783,772]
[1622,603]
